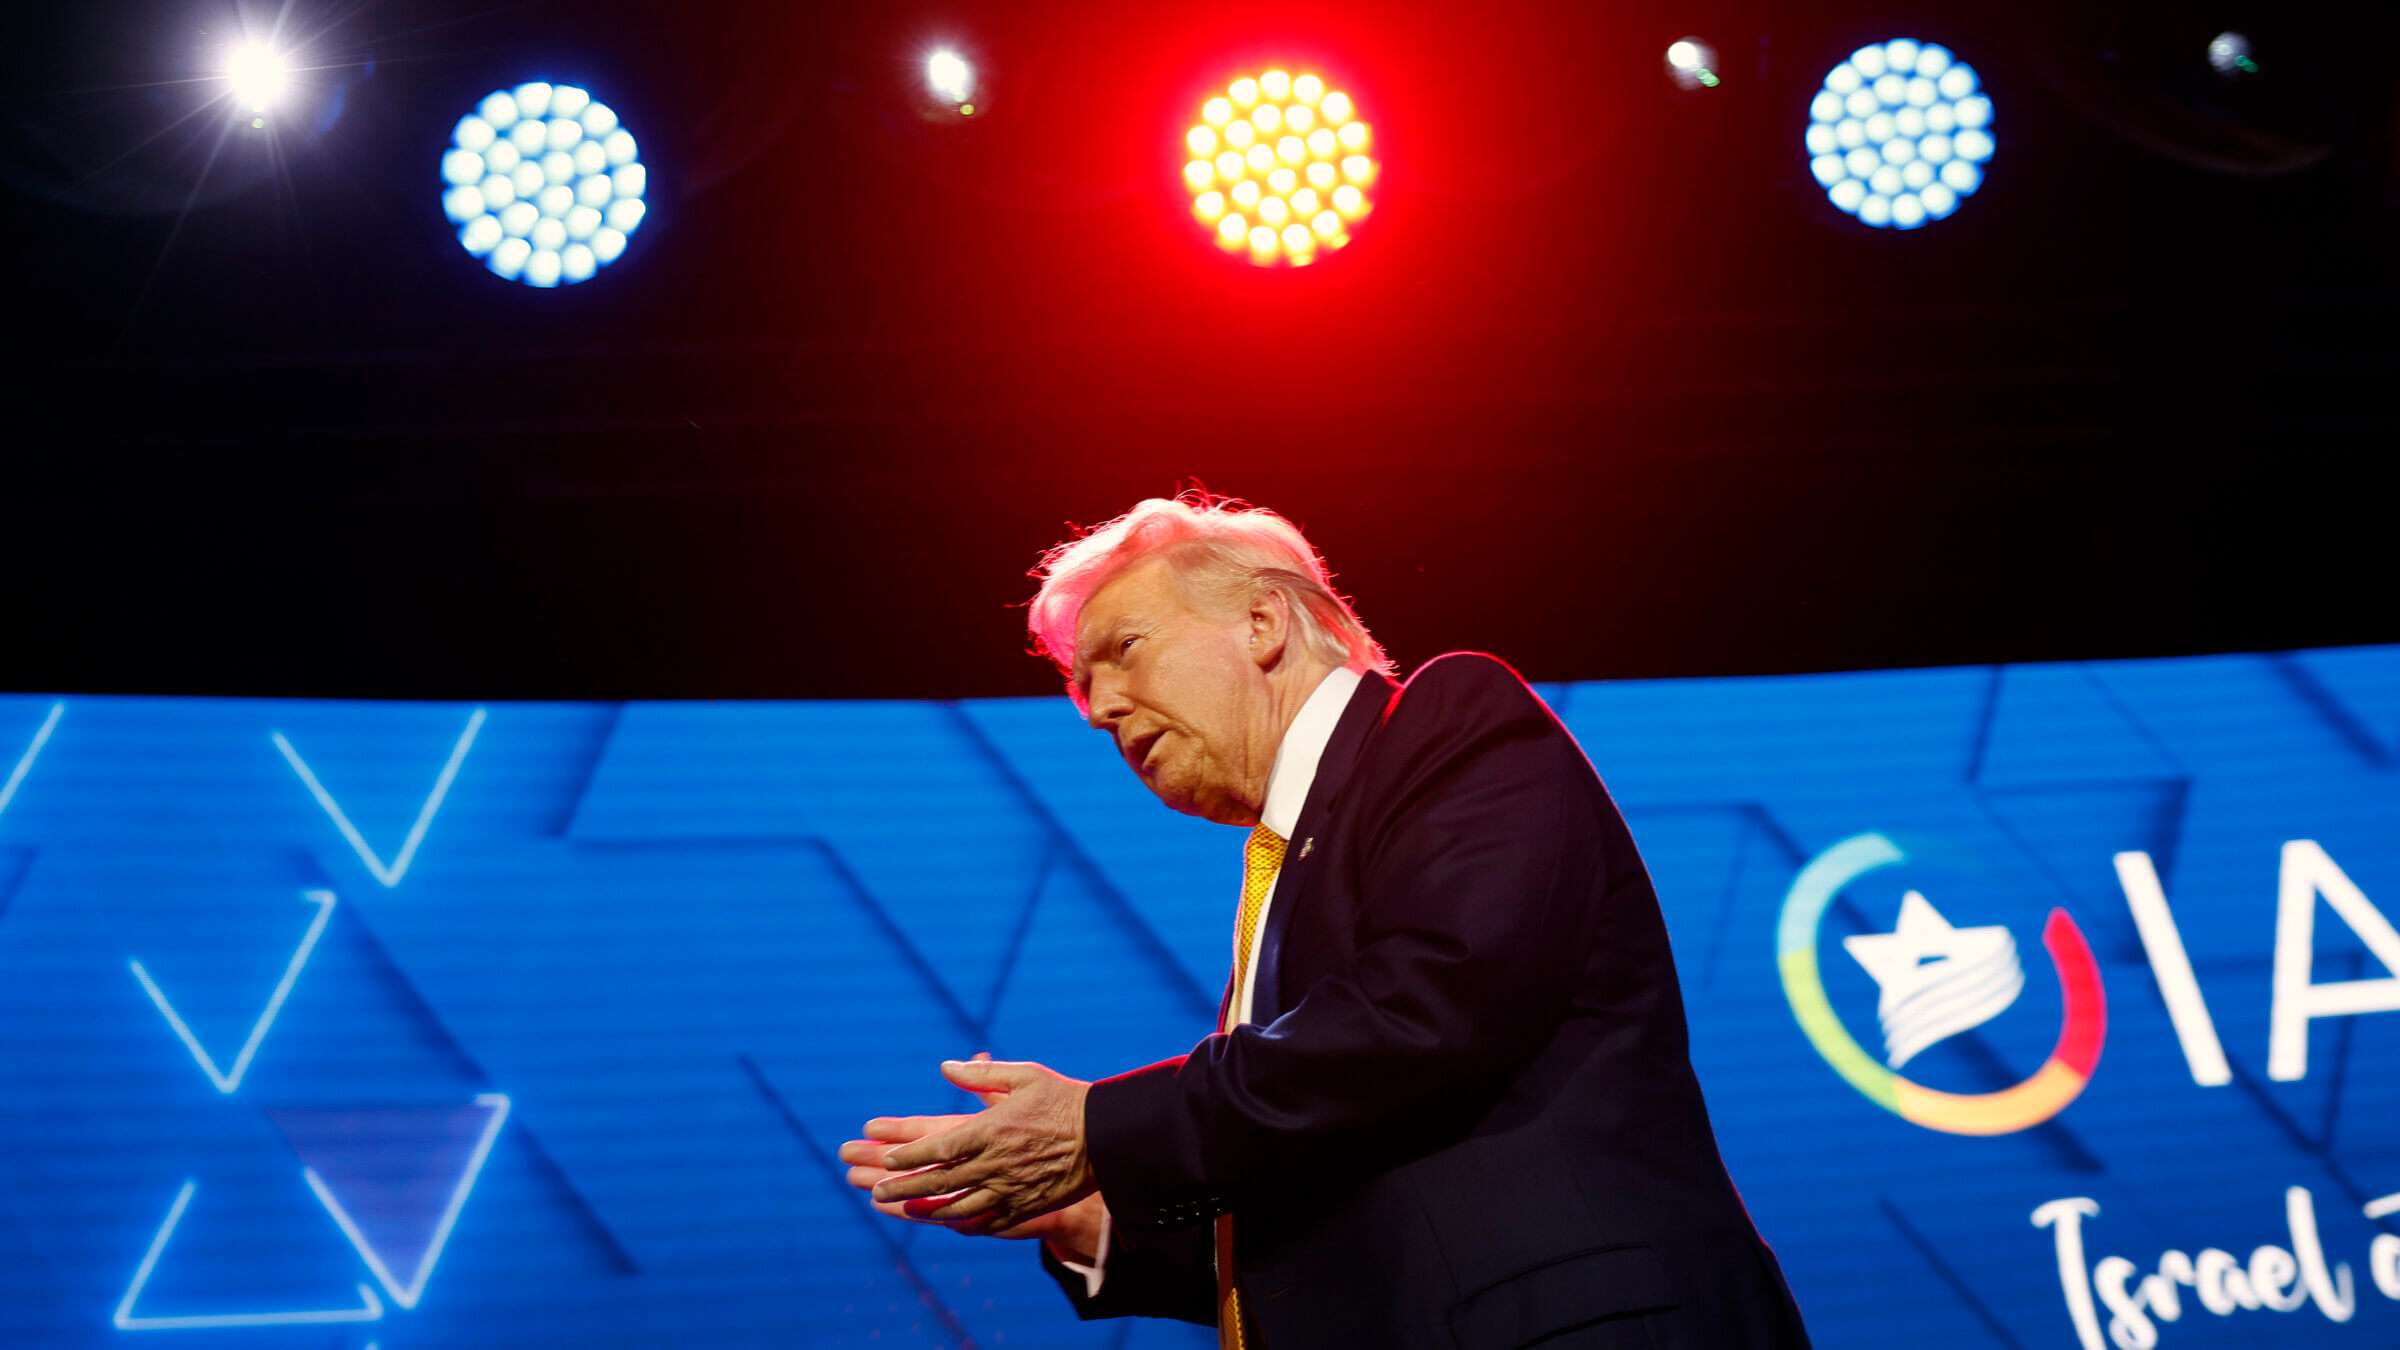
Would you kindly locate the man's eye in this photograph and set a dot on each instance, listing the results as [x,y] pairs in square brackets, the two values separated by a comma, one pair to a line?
[1126,645]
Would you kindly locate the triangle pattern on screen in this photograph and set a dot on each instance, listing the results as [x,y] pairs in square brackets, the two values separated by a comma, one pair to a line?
[394,1178]
[2356,690]
[369,1309]
[1174,872]
[33,751]
[389,873]
[229,1078]
[2054,724]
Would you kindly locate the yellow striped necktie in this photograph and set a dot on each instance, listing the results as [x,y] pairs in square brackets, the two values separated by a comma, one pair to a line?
[1262,857]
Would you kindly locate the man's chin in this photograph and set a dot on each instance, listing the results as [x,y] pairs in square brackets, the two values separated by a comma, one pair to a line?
[1221,810]
[1215,807]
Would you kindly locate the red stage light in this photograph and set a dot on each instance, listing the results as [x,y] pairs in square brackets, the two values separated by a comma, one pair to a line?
[1279,168]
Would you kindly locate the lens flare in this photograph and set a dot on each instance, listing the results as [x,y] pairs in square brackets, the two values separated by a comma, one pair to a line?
[1292,177]
[1692,64]
[2229,55]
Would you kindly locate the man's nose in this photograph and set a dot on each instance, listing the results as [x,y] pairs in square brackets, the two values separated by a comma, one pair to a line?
[1105,705]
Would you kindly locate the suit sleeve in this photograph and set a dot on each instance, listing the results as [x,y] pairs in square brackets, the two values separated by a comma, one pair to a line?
[1158,1275]
[1477,864]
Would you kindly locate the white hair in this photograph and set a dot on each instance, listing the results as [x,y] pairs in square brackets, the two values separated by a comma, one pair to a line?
[1221,553]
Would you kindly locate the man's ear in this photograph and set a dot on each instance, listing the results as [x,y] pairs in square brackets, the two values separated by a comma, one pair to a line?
[1270,627]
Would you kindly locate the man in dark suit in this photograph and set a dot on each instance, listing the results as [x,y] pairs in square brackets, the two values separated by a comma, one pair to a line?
[1451,1103]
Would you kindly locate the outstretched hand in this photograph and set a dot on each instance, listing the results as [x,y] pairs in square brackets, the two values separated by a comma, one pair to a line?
[1019,1159]
[1073,1231]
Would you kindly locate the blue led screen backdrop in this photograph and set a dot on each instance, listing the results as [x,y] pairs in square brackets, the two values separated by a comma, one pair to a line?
[2036,1005]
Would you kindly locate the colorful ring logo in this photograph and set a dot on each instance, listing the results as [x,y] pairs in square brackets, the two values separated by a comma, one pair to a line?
[2029,1103]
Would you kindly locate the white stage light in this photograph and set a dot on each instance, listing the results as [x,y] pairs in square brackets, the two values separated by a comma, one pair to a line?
[257,75]
[543,184]
[1899,134]
[2229,54]
[950,78]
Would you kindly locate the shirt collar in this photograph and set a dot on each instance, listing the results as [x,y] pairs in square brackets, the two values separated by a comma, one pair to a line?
[1303,745]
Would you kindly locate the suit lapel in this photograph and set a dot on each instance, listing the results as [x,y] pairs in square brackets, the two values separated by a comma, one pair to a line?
[1292,884]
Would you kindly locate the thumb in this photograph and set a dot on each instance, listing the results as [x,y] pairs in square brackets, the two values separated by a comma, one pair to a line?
[981,1076]
[988,1098]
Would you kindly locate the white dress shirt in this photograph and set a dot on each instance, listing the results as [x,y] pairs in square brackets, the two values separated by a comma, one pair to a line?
[1288,781]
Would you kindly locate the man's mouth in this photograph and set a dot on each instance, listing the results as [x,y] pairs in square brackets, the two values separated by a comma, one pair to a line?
[1139,751]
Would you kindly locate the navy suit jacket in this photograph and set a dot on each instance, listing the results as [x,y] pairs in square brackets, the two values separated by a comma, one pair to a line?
[1464,1115]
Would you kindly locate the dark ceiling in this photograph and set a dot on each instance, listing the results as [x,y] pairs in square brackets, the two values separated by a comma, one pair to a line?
[1604,386]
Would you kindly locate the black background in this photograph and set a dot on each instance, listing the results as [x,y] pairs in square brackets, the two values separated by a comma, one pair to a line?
[1604,386]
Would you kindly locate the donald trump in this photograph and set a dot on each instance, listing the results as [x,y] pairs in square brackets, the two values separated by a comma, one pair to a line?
[1450,1101]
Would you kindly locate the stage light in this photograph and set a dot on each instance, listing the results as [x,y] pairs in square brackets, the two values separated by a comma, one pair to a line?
[1692,64]
[2229,54]
[257,75]
[1265,161]
[1899,134]
[544,185]
[951,80]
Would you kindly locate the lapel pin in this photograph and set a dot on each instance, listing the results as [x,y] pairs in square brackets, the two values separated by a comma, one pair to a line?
[1307,844]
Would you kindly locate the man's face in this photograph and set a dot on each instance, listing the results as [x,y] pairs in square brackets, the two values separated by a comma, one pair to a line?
[1178,692]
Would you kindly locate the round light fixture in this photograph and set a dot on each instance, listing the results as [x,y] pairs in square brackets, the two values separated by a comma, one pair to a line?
[543,184]
[1280,168]
[1899,134]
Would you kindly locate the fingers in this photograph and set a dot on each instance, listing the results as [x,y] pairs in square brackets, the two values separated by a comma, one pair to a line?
[864,1152]
[867,1175]
[951,1206]
[907,1129]
[865,1157]
[928,1181]
[902,1210]
[919,1209]
[962,1141]
[926,1209]
[916,1169]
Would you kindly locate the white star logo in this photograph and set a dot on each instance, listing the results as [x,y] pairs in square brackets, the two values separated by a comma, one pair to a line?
[1937,981]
